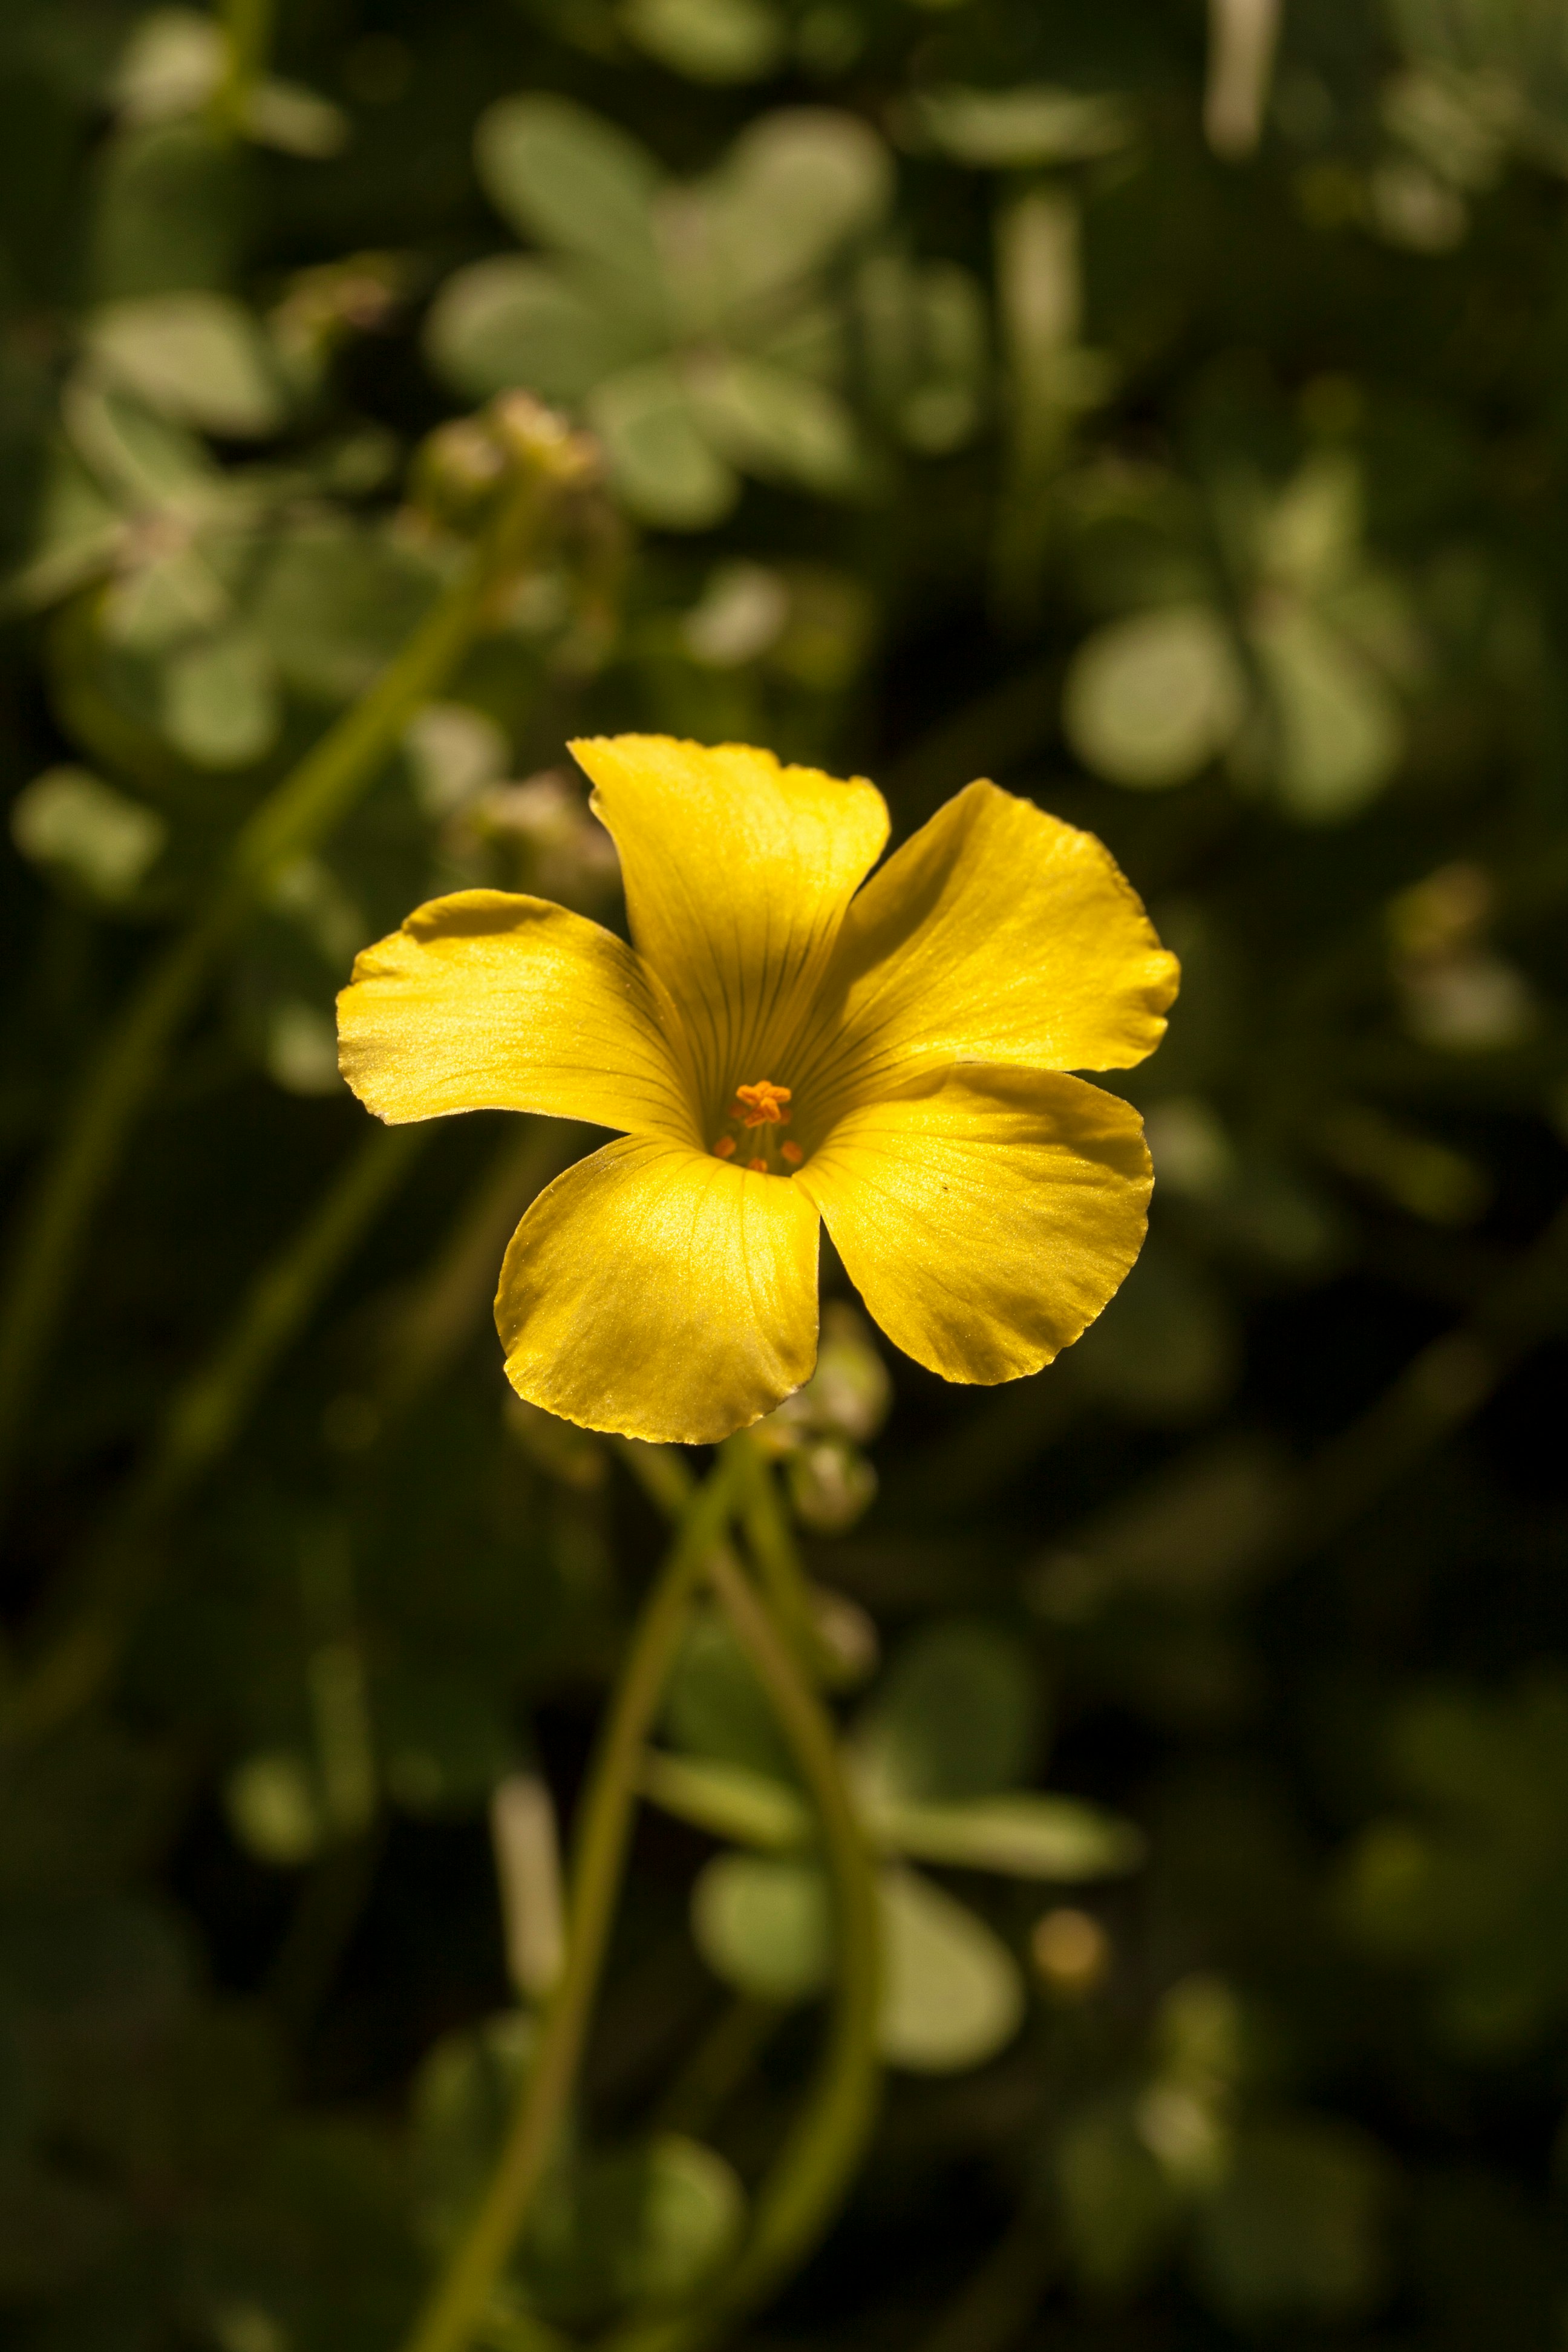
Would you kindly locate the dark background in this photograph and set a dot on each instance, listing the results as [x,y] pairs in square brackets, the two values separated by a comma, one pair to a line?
[1212,491]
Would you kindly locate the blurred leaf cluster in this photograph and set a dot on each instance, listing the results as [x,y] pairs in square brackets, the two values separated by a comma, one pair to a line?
[1161,410]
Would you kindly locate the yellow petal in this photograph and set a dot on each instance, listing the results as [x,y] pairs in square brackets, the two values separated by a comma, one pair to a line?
[996,934]
[486,1001]
[987,1219]
[738,872]
[661,1292]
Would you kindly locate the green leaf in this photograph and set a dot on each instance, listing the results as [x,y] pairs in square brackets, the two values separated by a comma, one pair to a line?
[715,1705]
[1024,1835]
[793,190]
[776,423]
[1021,127]
[1341,735]
[275,1808]
[708,40]
[199,358]
[728,1801]
[220,704]
[662,461]
[764,1925]
[573,181]
[1151,700]
[951,1992]
[463,2098]
[515,322]
[957,1715]
[69,821]
[1296,2232]
[643,2229]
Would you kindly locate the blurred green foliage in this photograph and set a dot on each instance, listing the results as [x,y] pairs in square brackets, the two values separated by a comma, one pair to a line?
[1166,413]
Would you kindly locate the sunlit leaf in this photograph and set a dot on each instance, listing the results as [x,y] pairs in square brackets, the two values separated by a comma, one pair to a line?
[1030,124]
[69,820]
[708,40]
[220,700]
[661,460]
[567,177]
[1025,1835]
[727,1799]
[199,358]
[951,1992]
[515,322]
[764,1925]
[1151,700]
[1341,736]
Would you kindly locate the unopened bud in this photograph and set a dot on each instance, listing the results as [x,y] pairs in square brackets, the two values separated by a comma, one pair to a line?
[458,470]
[830,1485]
[542,441]
[846,1638]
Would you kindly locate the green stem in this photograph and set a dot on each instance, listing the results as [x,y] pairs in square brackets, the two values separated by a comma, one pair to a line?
[303,810]
[458,2305]
[247,28]
[772,1539]
[813,2172]
[206,1412]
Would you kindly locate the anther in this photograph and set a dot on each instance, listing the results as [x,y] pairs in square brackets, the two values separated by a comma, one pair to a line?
[762,1105]
[759,1166]
[792,1152]
[725,1147]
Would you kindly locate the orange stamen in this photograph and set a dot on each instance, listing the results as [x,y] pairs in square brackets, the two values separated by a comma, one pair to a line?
[760,1166]
[762,1105]
[792,1152]
[725,1147]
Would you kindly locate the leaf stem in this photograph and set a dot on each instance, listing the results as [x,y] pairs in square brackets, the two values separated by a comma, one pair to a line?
[305,807]
[813,2172]
[456,2306]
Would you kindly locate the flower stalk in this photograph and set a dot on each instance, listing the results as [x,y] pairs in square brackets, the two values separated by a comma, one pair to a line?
[458,2305]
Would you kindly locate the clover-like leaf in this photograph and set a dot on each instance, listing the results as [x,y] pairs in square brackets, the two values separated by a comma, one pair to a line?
[765,1924]
[957,1715]
[573,180]
[951,1992]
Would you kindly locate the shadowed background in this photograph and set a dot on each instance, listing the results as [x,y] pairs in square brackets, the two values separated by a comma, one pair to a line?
[1165,415]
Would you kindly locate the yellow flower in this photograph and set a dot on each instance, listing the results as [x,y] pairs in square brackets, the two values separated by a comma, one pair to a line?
[782,1044]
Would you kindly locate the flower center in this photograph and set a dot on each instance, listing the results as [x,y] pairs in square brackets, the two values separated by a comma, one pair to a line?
[755,1116]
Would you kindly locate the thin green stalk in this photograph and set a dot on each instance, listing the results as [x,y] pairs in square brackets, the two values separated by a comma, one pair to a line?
[772,1545]
[303,810]
[814,2170]
[247,28]
[199,1426]
[458,2305]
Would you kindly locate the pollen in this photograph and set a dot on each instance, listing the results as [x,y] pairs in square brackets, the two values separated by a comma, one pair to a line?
[725,1147]
[792,1152]
[760,1167]
[762,1105]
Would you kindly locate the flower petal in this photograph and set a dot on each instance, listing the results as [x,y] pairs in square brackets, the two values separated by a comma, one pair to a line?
[486,1001]
[986,1220]
[996,934]
[738,872]
[661,1292]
